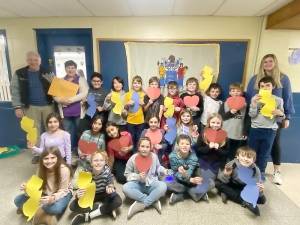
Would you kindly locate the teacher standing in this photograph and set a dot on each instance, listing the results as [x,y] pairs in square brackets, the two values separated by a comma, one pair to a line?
[269,67]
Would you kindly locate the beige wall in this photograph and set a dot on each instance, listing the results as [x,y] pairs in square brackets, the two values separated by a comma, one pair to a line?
[21,37]
[278,42]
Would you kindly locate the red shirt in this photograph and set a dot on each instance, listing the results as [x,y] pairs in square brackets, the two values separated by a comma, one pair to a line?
[114,146]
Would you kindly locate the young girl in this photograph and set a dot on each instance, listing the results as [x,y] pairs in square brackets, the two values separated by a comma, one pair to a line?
[185,126]
[135,120]
[192,89]
[212,156]
[211,102]
[229,183]
[143,185]
[185,166]
[118,153]
[155,133]
[117,86]
[93,135]
[105,192]
[57,188]
[153,106]
[54,137]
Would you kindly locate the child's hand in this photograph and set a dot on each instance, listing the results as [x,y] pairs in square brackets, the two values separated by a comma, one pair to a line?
[216,145]
[182,170]
[255,99]
[80,193]
[196,180]
[158,146]
[125,149]
[195,128]
[233,111]
[277,112]
[110,189]
[260,186]
[142,176]
[166,127]
[100,108]
[150,102]
[195,134]
[30,145]
[195,108]
[177,109]
[244,137]
[45,200]
[130,103]
[227,170]
[23,187]
[211,145]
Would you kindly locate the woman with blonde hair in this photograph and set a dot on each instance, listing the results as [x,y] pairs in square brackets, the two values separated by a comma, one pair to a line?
[269,67]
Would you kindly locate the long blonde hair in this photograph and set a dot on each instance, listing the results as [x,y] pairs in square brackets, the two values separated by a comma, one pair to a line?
[276,74]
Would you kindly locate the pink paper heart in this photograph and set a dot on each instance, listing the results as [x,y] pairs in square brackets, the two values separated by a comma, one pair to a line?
[191,101]
[87,147]
[119,143]
[153,93]
[155,136]
[237,102]
[143,164]
[216,136]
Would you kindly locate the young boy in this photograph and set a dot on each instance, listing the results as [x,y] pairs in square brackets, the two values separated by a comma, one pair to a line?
[185,166]
[153,106]
[192,89]
[263,128]
[234,121]
[229,184]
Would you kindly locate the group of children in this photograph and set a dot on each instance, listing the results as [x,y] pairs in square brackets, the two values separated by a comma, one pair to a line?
[148,164]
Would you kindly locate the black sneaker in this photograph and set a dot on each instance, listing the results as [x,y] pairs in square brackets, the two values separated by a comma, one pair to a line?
[249,206]
[261,200]
[224,198]
[175,198]
[80,218]
[35,159]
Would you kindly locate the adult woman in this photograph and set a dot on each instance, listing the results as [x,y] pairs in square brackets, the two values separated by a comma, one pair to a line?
[71,109]
[269,67]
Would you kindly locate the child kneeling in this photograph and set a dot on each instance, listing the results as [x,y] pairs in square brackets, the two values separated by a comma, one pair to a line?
[142,171]
[185,166]
[230,185]
[105,192]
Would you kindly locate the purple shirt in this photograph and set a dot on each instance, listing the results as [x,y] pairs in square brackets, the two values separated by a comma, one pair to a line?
[60,139]
[74,108]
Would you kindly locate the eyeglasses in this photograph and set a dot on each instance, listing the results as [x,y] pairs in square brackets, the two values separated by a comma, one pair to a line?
[96,81]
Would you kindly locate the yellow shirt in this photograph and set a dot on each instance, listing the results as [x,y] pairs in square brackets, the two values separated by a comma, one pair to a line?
[137,117]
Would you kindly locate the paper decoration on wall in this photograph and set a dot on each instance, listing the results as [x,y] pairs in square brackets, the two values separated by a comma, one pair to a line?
[143,164]
[92,105]
[136,99]
[62,88]
[87,147]
[153,93]
[237,102]
[294,56]
[268,101]
[207,78]
[170,108]
[215,136]
[155,136]
[116,99]
[85,182]
[34,193]
[191,101]
[27,124]
[171,133]
[250,193]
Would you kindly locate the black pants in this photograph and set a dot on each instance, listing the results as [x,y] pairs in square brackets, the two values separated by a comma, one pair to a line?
[233,191]
[110,202]
[276,150]
[233,145]
[119,169]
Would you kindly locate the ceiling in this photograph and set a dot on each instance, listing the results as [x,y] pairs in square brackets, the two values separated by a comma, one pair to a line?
[63,8]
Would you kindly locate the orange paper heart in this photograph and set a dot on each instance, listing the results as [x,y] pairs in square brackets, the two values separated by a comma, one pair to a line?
[216,136]
[237,102]
[191,101]
[143,164]
[153,93]
[87,147]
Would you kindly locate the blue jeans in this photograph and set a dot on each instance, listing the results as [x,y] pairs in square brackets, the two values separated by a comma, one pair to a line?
[261,140]
[57,208]
[135,130]
[145,194]
[71,125]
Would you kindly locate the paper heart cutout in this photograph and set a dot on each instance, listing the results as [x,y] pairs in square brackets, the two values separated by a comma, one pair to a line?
[191,101]
[118,108]
[153,93]
[168,102]
[92,105]
[27,123]
[265,93]
[87,147]
[119,143]
[136,99]
[250,194]
[237,102]
[115,97]
[171,122]
[170,111]
[216,136]
[143,164]
[245,174]
[154,136]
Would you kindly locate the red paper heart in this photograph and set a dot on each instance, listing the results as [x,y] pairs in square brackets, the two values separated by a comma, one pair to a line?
[153,93]
[87,147]
[119,143]
[191,101]
[155,136]
[216,136]
[143,164]
[237,102]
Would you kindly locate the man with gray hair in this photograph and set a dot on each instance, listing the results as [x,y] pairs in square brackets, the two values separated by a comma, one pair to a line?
[29,88]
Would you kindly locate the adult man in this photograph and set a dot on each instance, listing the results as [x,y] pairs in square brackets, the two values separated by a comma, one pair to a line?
[29,87]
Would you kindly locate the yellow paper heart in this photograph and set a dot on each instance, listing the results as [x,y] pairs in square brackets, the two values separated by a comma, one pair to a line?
[27,123]
[87,200]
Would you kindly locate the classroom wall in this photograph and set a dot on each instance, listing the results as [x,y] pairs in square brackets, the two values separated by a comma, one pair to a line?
[21,36]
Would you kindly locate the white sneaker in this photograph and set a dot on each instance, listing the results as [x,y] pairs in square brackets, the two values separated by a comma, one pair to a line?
[277,178]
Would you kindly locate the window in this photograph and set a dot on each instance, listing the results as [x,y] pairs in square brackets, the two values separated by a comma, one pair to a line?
[4,69]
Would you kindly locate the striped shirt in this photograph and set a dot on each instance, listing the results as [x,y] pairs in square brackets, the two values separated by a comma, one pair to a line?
[103,179]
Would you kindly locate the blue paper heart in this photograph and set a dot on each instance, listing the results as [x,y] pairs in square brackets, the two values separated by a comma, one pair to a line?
[250,194]
[136,99]
[171,122]
[92,106]
[170,136]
